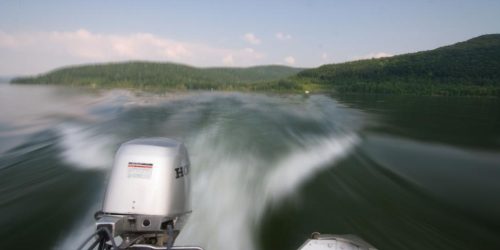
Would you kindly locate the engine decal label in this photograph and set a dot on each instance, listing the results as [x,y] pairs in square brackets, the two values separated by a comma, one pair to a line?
[140,170]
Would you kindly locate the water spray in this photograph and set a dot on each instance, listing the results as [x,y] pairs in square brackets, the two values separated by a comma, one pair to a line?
[147,202]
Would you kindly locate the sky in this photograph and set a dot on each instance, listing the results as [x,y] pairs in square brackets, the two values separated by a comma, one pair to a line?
[38,36]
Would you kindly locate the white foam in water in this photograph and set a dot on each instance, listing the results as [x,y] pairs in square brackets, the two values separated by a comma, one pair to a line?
[84,149]
[221,197]
[300,166]
[230,195]
[230,190]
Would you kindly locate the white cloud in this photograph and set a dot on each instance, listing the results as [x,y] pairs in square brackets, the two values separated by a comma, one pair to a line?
[282,36]
[35,52]
[249,50]
[228,60]
[324,56]
[289,60]
[87,45]
[374,55]
[7,41]
[251,38]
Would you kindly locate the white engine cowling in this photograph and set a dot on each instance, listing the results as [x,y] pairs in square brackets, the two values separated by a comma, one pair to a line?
[149,184]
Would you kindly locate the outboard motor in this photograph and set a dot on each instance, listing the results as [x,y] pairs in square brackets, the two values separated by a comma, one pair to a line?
[147,197]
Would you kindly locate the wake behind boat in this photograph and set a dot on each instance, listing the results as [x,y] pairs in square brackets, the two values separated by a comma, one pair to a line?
[147,202]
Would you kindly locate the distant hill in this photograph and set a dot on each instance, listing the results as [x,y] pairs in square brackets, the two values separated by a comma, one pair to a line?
[5,79]
[470,68]
[466,68]
[168,75]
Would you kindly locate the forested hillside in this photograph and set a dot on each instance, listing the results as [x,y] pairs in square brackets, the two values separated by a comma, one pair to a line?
[466,68]
[470,68]
[168,75]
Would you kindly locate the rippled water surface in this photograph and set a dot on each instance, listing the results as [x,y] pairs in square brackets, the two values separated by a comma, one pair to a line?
[267,170]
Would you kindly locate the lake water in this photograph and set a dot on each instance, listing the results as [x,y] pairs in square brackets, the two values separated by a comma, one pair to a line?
[267,170]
